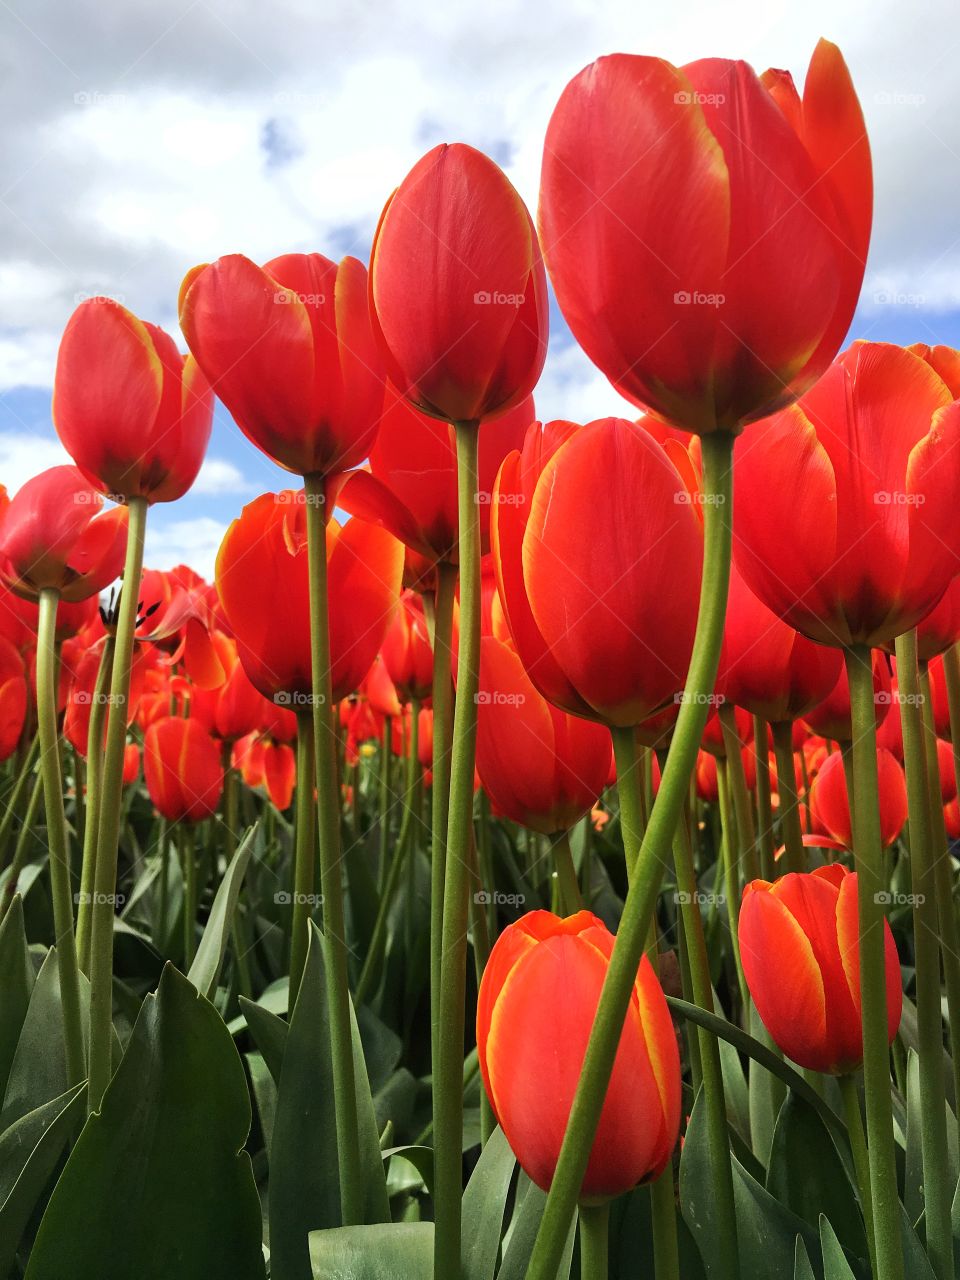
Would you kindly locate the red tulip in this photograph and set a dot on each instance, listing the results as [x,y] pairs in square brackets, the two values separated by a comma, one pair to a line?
[831,717]
[941,627]
[944,360]
[540,767]
[706,230]
[798,945]
[289,350]
[868,542]
[407,653]
[830,806]
[458,296]
[267,546]
[535,1009]
[53,535]
[182,769]
[133,414]
[598,553]
[13,698]
[411,488]
[765,666]
[131,763]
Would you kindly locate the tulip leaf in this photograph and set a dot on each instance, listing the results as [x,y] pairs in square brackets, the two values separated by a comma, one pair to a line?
[913,1173]
[166,1148]
[269,1032]
[38,1072]
[484,1203]
[29,1151]
[524,1226]
[835,1264]
[808,1175]
[205,970]
[17,978]
[747,1044]
[766,1095]
[802,1270]
[420,1157]
[384,1251]
[304,1170]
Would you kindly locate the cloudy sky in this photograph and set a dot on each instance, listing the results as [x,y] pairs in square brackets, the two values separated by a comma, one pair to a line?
[137,139]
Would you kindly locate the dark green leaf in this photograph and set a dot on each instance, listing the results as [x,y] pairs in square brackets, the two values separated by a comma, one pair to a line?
[835,1265]
[802,1269]
[205,970]
[386,1251]
[17,976]
[166,1149]
[269,1033]
[38,1072]
[484,1202]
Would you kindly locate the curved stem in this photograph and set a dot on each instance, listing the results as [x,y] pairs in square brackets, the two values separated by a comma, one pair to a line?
[594,1241]
[737,780]
[383,830]
[794,855]
[858,1146]
[871,886]
[933,1134]
[629,794]
[654,853]
[304,854]
[16,795]
[189,863]
[49,734]
[20,850]
[88,866]
[325,745]
[448,1080]
[729,853]
[111,800]
[440,787]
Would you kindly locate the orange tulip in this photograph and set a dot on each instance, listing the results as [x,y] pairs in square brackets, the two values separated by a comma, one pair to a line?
[407,653]
[182,769]
[830,806]
[798,945]
[535,1009]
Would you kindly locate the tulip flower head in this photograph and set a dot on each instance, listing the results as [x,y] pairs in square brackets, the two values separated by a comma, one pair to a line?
[133,414]
[458,294]
[183,769]
[799,948]
[743,209]
[536,1006]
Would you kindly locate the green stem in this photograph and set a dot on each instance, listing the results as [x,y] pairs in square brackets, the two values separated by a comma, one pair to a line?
[737,780]
[404,847]
[304,854]
[570,898]
[111,801]
[88,866]
[629,794]
[663,1212]
[943,876]
[163,851]
[331,876]
[384,828]
[641,898]
[440,787]
[23,838]
[729,865]
[16,795]
[764,803]
[794,856]
[594,1241]
[49,734]
[933,1134]
[448,1078]
[868,855]
[861,1162]
[189,863]
[951,671]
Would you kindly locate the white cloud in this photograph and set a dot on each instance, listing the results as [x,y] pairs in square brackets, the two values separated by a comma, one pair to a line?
[573,388]
[194,543]
[218,476]
[23,456]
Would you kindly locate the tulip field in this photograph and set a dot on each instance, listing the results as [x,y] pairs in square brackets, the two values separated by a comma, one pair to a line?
[533,852]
